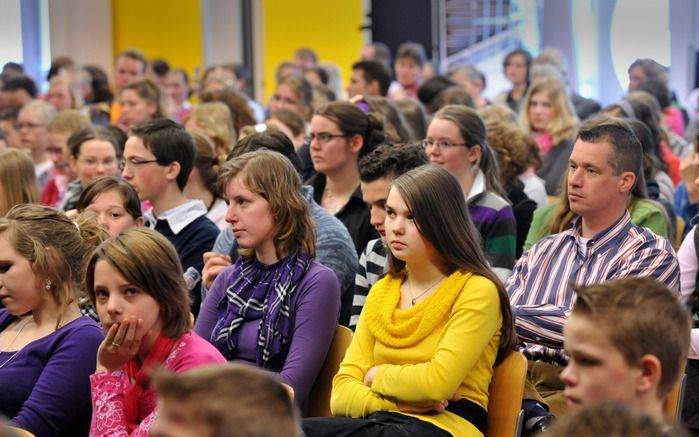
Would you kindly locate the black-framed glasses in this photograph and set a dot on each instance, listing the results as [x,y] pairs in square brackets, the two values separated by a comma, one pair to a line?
[323,137]
[442,144]
[133,163]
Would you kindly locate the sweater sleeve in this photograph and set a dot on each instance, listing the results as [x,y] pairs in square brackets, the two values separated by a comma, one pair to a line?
[350,396]
[207,318]
[474,320]
[62,391]
[317,312]
[108,418]
[539,226]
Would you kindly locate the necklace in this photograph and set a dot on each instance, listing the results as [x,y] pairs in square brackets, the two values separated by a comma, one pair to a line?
[414,298]
[11,343]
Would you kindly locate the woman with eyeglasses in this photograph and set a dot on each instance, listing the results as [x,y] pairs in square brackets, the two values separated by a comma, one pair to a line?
[341,133]
[94,152]
[457,140]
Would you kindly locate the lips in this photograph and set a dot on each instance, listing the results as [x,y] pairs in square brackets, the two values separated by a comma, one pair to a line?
[574,196]
[395,244]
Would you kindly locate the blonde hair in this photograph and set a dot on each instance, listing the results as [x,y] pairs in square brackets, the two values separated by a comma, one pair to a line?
[273,177]
[214,119]
[564,123]
[17,180]
[76,100]
[68,122]
[55,246]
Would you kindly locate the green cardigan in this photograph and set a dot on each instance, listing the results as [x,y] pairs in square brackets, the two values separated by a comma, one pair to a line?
[644,213]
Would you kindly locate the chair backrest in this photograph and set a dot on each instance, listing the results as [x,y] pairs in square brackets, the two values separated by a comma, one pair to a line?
[14,431]
[672,406]
[319,398]
[506,392]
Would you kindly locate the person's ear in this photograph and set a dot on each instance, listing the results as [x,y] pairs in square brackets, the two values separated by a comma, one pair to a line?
[73,162]
[356,142]
[651,370]
[139,221]
[474,154]
[627,181]
[173,169]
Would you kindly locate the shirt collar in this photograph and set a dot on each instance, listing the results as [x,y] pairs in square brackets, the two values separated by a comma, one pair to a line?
[606,236]
[478,185]
[178,217]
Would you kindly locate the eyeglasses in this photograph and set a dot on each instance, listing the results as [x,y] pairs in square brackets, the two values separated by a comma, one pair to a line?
[94,163]
[28,125]
[441,144]
[323,137]
[131,163]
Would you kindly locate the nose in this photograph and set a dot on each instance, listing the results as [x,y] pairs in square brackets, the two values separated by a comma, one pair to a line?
[378,216]
[126,173]
[231,214]
[567,376]
[102,220]
[574,178]
[100,168]
[114,307]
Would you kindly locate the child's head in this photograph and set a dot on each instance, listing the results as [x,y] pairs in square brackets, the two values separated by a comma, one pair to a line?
[219,401]
[118,263]
[627,341]
[114,202]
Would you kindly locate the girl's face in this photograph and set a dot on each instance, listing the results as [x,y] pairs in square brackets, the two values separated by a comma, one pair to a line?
[250,216]
[402,234]
[408,72]
[516,69]
[445,147]
[116,300]
[59,96]
[97,158]
[109,210]
[21,291]
[286,98]
[135,109]
[330,149]
[541,112]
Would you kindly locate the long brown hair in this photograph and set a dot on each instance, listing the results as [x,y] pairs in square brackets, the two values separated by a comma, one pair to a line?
[17,180]
[451,232]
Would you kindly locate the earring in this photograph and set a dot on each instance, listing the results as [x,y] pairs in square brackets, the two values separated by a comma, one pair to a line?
[48,285]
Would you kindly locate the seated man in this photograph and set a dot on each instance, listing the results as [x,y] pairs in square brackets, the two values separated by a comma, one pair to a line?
[376,172]
[334,247]
[627,341]
[158,158]
[603,244]
[221,401]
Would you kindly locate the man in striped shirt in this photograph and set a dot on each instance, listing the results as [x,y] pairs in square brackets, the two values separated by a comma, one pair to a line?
[376,171]
[603,244]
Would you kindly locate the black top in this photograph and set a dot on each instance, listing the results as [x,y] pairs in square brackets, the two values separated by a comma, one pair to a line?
[354,215]
[523,208]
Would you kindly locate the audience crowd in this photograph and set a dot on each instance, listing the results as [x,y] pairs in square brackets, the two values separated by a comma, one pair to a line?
[179,259]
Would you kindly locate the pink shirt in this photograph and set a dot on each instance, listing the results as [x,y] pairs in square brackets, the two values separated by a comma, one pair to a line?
[108,388]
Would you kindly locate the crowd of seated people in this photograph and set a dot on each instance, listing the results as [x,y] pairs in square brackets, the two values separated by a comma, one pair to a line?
[154,230]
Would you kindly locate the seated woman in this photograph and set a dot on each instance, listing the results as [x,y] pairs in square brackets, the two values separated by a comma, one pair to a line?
[113,202]
[457,141]
[144,307]
[432,329]
[276,307]
[549,117]
[141,100]
[47,350]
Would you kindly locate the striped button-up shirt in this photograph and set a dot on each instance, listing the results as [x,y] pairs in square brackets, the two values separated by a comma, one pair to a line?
[541,291]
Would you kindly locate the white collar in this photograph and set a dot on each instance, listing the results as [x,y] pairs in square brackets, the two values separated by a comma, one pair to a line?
[478,185]
[43,167]
[178,217]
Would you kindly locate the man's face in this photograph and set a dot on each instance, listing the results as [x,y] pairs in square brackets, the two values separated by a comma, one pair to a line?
[596,371]
[127,70]
[374,194]
[146,176]
[636,76]
[358,84]
[593,189]
[32,130]
[177,88]
[176,420]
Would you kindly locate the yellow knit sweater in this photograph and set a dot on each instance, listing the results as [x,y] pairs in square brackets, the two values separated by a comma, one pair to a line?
[445,344]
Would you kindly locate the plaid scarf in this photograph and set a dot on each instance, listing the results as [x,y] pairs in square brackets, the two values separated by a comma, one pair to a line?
[261,292]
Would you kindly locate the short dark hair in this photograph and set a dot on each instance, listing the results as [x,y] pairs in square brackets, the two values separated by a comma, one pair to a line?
[658,89]
[375,71]
[136,55]
[270,140]
[626,153]
[412,50]
[429,90]
[159,66]
[20,82]
[391,160]
[169,142]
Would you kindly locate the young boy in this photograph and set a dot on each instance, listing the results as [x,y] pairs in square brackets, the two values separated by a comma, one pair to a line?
[158,158]
[232,400]
[627,341]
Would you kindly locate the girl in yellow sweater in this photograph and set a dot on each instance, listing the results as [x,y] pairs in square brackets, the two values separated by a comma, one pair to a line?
[432,329]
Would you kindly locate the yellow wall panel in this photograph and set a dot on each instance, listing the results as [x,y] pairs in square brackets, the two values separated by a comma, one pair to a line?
[160,28]
[330,27]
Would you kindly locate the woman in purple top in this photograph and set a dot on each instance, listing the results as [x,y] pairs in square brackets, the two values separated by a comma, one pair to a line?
[276,307]
[47,349]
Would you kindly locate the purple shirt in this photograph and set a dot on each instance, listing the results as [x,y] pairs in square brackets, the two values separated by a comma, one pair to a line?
[46,387]
[315,308]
